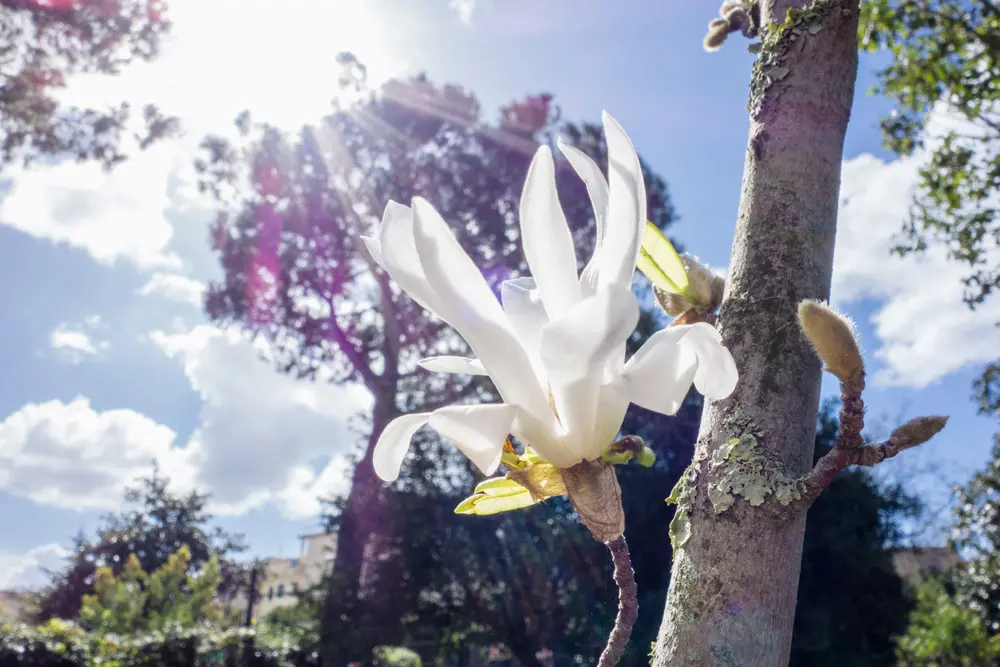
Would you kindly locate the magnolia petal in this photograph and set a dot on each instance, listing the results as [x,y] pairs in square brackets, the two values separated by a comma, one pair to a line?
[716,376]
[478,431]
[578,344]
[611,408]
[661,373]
[546,238]
[597,187]
[449,364]
[466,302]
[626,207]
[398,255]
[374,249]
[575,352]
[527,316]
[394,442]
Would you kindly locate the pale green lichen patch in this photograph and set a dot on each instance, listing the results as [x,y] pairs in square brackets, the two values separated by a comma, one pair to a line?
[776,41]
[741,469]
[682,495]
[680,529]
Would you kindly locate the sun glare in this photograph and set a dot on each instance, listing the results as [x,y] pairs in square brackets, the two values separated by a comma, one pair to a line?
[276,58]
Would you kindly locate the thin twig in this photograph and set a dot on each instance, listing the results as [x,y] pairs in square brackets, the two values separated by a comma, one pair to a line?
[628,603]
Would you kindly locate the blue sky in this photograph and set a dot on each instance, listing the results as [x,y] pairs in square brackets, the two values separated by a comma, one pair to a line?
[110,365]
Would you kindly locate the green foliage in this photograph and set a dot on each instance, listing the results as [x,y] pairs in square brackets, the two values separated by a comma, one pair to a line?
[64,644]
[944,634]
[396,656]
[296,625]
[976,535]
[945,54]
[154,523]
[134,601]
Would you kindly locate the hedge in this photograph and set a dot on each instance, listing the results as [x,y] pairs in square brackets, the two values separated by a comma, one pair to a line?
[61,644]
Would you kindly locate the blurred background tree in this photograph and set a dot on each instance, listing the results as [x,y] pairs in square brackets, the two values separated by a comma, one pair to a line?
[43,43]
[155,524]
[134,601]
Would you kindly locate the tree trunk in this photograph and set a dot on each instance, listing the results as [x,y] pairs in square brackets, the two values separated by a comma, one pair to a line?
[738,545]
[344,631]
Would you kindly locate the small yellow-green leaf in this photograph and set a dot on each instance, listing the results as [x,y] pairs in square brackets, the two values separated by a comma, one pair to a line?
[658,259]
[485,504]
[498,486]
[646,458]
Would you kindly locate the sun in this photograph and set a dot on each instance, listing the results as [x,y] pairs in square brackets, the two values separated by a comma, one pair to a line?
[276,58]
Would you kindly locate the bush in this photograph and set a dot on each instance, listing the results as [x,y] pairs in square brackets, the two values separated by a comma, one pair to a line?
[62,644]
[396,656]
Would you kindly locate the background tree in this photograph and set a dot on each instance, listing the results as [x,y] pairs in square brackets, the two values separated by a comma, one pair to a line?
[155,525]
[851,603]
[43,43]
[945,57]
[945,634]
[298,276]
[134,601]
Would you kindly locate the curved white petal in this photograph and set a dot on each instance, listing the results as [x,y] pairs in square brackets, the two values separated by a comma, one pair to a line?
[546,238]
[527,316]
[575,352]
[399,256]
[449,364]
[597,187]
[660,374]
[374,249]
[626,208]
[611,407]
[394,442]
[479,431]
[466,302]
[716,376]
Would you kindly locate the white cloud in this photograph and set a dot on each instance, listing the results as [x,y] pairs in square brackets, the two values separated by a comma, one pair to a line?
[72,456]
[27,571]
[463,8]
[924,329]
[264,436]
[114,216]
[76,343]
[176,288]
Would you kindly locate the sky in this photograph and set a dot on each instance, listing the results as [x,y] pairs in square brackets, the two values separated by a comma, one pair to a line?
[110,365]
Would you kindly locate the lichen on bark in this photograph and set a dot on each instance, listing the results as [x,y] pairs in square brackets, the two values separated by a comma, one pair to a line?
[776,40]
[742,468]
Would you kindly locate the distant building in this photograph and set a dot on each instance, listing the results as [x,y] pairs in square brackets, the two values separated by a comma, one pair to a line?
[282,579]
[14,605]
[915,563]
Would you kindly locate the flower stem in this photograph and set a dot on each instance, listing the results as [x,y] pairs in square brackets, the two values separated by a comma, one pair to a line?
[628,603]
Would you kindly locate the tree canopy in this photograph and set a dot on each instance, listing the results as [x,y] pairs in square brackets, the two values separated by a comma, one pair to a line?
[43,43]
[155,524]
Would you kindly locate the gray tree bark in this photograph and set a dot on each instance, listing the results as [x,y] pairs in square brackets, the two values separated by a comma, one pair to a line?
[738,532]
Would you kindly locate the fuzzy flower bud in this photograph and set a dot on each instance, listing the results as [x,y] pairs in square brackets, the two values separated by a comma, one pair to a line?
[832,335]
[703,285]
[718,31]
[917,431]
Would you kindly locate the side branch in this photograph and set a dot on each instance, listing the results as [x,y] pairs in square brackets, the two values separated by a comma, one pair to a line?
[628,603]
[834,339]
[912,433]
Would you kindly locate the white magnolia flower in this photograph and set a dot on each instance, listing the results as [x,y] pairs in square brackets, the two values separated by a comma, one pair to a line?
[555,347]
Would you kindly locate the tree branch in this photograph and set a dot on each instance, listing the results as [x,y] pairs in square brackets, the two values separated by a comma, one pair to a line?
[628,603]
[850,449]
